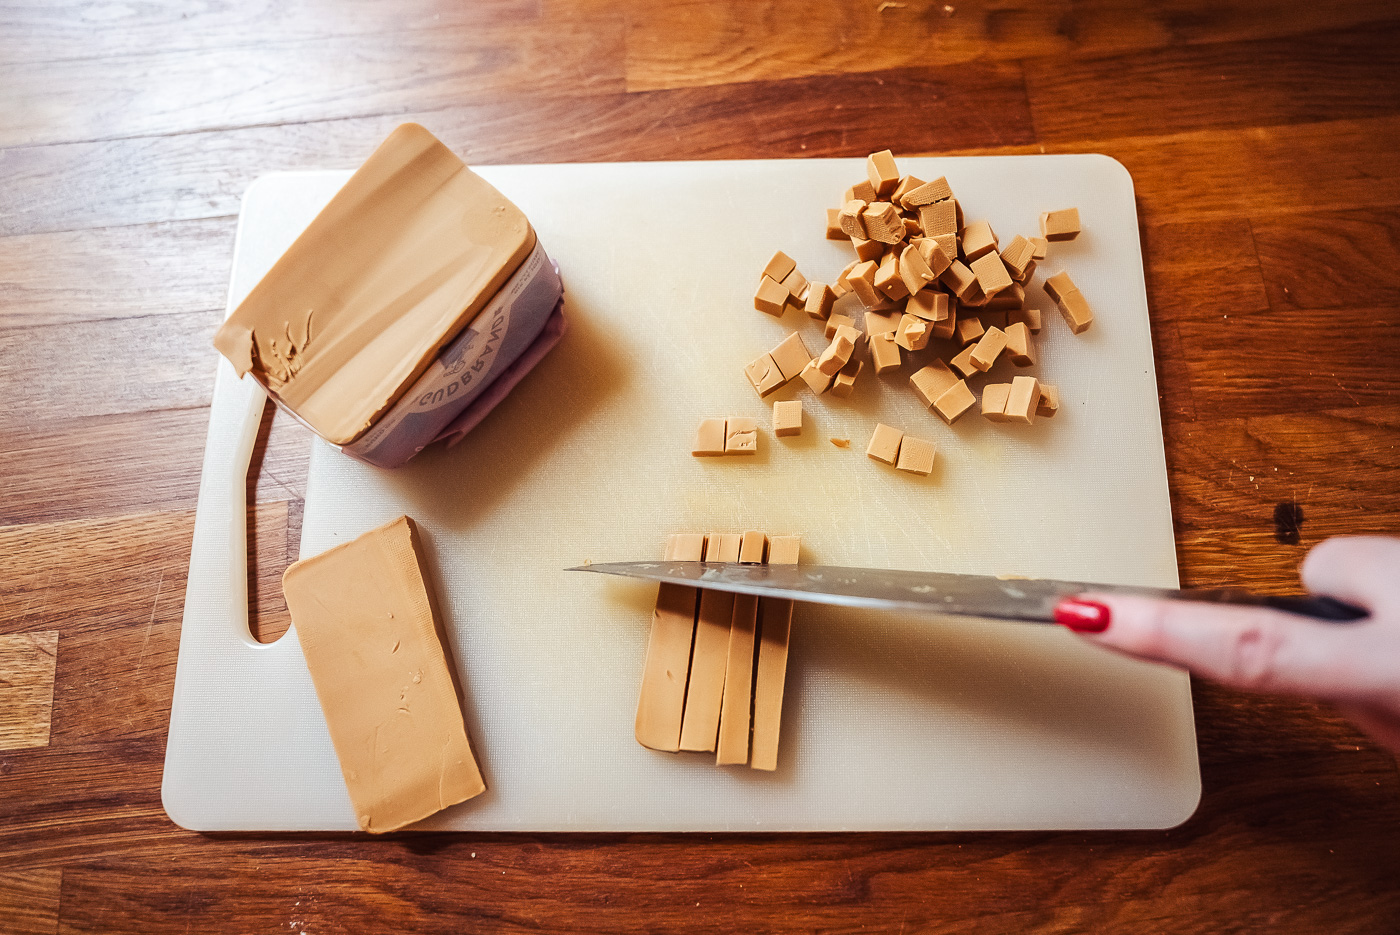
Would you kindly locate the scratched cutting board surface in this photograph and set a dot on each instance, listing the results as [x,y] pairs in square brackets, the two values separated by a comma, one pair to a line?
[890,721]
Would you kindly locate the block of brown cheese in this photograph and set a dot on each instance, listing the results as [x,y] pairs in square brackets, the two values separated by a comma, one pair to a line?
[1022,400]
[884,353]
[353,320]
[994,401]
[929,305]
[845,381]
[374,644]
[705,689]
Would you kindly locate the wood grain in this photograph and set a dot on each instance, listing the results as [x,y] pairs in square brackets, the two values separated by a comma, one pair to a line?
[696,42]
[107,368]
[1228,475]
[1320,76]
[127,271]
[149,92]
[203,175]
[1333,165]
[1331,259]
[29,901]
[26,688]
[60,30]
[1261,137]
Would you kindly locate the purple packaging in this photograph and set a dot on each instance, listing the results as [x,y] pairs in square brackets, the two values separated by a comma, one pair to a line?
[523,320]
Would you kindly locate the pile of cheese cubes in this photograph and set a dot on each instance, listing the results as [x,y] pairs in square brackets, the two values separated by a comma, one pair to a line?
[925,284]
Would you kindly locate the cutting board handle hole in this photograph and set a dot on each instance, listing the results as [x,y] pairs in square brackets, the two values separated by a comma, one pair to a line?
[274,499]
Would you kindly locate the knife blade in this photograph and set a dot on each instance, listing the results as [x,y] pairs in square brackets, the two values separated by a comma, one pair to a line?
[1002,598]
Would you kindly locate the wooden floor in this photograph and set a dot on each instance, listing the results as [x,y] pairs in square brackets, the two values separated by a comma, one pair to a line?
[1262,138]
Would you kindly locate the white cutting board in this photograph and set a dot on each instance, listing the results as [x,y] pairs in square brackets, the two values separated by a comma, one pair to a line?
[890,721]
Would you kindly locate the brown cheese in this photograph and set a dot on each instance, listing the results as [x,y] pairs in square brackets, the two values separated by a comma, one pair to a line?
[774,629]
[787,417]
[915,455]
[884,443]
[705,690]
[404,256]
[709,438]
[375,648]
[661,700]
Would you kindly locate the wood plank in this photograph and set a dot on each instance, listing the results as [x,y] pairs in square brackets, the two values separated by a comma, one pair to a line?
[1327,260]
[65,803]
[1289,361]
[106,368]
[60,30]
[29,901]
[115,272]
[1340,74]
[1341,467]
[26,688]
[1335,872]
[1197,270]
[120,627]
[1202,269]
[277,81]
[705,43]
[1212,174]
[139,181]
[91,460]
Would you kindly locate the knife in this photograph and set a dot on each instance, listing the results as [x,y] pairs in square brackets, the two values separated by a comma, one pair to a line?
[1004,598]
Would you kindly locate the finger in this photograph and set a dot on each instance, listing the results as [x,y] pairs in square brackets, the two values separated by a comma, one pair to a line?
[1382,725]
[1253,648]
[1358,569]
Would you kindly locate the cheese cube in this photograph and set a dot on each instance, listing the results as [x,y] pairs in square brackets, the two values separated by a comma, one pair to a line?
[709,438]
[787,417]
[884,443]
[915,455]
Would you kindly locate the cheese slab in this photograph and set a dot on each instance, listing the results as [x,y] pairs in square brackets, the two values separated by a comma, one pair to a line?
[369,630]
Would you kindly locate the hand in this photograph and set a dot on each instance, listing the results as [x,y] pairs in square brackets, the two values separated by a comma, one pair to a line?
[1356,666]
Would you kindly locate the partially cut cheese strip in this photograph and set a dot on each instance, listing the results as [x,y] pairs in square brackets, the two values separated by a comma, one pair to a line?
[705,693]
[661,701]
[775,625]
[369,630]
[734,718]
[737,710]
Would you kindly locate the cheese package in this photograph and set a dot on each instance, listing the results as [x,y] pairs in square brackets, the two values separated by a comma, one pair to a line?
[413,292]
[370,632]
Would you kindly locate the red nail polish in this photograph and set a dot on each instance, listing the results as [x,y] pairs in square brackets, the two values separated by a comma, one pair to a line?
[1082,616]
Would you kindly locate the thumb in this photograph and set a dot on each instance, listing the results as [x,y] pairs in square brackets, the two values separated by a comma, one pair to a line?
[1252,648]
[1359,569]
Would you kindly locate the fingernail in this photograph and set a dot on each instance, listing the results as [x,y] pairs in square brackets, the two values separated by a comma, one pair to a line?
[1082,616]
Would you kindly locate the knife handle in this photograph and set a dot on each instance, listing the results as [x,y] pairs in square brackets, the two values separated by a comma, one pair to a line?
[1318,607]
